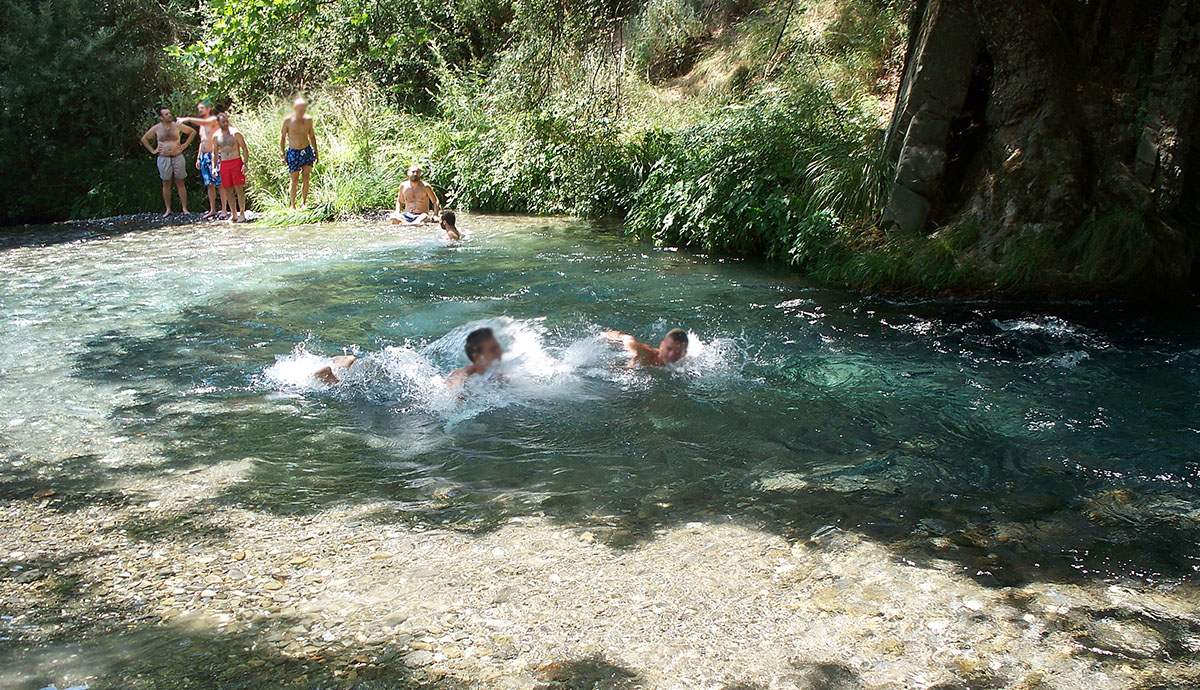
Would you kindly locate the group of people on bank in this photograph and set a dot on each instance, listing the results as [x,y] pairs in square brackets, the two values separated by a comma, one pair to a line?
[223,159]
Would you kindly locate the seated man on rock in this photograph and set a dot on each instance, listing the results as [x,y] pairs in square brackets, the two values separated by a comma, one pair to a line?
[417,196]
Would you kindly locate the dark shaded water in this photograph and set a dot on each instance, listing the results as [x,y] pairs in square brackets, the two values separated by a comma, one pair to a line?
[1027,441]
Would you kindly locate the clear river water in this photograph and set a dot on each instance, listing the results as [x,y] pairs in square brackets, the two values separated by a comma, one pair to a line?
[1039,440]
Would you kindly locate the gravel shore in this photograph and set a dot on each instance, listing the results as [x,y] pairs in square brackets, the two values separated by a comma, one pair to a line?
[156,585]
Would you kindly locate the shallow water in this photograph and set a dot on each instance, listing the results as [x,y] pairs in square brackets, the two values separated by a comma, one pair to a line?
[1052,441]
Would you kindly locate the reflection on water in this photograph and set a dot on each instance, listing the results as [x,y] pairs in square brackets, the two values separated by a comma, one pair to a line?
[1054,441]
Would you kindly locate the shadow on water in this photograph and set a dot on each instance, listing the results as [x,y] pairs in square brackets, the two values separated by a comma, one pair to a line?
[986,498]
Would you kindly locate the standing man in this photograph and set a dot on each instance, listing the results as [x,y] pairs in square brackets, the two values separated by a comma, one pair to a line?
[207,122]
[232,155]
[298,145]
[170,155]
[416,195]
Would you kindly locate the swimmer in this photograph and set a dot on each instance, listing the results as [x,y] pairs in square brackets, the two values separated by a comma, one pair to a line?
[451,230]
[483,350]
[339,363]
[672,348]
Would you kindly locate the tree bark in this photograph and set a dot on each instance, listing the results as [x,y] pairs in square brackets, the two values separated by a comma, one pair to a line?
[1037,116]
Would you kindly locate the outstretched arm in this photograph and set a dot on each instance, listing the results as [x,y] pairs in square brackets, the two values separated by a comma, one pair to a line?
[638,350]
[199,121]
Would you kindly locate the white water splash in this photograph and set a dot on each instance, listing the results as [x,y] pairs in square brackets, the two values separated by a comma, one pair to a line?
[535,369]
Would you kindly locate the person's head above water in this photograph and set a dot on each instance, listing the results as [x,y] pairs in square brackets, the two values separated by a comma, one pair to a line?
[414,173]
[674,346]
[482,347]
[449,220]
[300,106]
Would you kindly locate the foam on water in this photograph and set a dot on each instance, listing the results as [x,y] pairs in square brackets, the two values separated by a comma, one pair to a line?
[538,366]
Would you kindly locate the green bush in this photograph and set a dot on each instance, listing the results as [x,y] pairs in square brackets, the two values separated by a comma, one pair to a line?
[79,81]
[779,177]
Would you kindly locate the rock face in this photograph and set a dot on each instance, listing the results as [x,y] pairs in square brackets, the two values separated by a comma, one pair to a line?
[1040,116]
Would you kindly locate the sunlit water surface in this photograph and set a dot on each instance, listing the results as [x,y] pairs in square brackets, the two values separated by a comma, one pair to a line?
[1036,440]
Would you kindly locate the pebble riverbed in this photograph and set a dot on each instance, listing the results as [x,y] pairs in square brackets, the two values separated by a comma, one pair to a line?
[154,585]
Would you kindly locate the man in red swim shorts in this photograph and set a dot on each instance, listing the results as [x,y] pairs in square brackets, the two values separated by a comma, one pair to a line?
[232,154]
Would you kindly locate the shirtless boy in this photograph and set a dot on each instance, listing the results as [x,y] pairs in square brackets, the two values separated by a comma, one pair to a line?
[232,155]
[416,195]
[672,348]
[170,155]
[450,227]
[298,147]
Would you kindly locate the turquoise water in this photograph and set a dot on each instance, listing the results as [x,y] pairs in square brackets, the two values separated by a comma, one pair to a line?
[1021,441]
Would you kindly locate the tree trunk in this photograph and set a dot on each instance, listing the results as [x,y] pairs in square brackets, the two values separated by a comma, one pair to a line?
[1038,116]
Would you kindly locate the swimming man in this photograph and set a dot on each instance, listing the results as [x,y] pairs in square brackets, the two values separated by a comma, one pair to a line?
[170,155]
[672,348]
[483,350]
[207,122]
[449,227]
[232,154]
[416,195]
[298,146]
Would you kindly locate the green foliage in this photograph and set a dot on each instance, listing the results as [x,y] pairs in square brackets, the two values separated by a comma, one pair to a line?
[256,48]
[665,37]
[781,177]
[78,84]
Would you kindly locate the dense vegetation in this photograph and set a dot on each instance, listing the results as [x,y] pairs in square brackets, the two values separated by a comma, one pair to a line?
[747,127]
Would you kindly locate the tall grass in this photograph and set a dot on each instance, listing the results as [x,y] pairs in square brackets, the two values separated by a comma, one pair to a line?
[780,177]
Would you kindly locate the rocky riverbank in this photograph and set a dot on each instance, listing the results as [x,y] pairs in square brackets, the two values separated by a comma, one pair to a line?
[155,585]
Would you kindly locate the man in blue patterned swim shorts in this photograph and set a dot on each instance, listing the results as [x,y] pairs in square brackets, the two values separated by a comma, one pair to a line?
[298,146]
[207,122]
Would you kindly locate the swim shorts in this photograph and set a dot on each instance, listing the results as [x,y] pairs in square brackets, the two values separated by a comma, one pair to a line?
[211,177]
[410,217]
[172,166]
[231,173]
[300,158]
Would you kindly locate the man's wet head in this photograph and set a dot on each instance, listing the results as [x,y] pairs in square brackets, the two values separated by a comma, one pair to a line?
[482,348]
[674,346]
